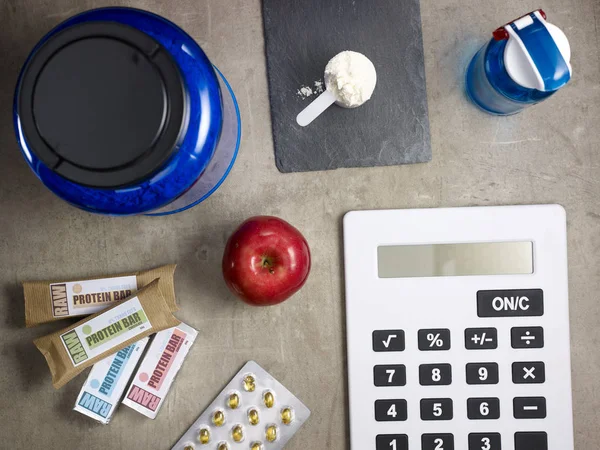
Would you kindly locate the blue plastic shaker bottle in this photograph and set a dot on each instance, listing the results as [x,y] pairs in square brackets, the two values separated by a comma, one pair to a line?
[525,62]
[119,111]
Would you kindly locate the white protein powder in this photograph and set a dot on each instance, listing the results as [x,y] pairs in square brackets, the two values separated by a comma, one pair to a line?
[351,77]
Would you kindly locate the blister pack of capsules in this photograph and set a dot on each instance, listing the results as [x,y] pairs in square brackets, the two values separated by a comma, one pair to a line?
[253,412]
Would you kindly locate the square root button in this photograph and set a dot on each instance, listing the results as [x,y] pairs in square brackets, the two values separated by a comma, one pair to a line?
[388,341]
[510,303]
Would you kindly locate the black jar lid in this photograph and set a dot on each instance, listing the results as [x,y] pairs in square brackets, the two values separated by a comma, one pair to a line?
[102,104]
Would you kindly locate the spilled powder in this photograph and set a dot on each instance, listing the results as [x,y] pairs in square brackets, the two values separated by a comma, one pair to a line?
[306,91]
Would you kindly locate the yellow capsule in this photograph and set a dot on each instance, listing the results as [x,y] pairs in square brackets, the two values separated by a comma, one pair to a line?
[287,416]
[218,418]
[204,436]
[249,383]
[271,433]
[269,399]
[223,446]
[253,417]
[237,433]
[256,446]
[233,401]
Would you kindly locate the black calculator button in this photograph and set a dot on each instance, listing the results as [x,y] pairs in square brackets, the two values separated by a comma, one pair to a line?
[510,303]
[435,374]
[390,410]
[529,372]
[389,375]
[391,442]
[388,340]
[537,440]
[482,373]
[483,408]
[529,407]
[443,441]
[437,409]
[481,338]
[434,339]
[485,441]
[527,337]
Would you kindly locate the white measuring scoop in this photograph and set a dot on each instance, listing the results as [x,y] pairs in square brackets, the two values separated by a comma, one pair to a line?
[350,79]
[316,108]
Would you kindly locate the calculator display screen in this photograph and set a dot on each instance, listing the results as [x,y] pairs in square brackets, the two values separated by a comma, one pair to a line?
[447,260]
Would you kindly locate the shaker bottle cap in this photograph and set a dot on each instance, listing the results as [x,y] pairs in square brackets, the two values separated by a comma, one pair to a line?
[102,104]
[537,54]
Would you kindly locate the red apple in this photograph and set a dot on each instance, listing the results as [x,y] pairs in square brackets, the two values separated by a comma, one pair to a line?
[266,261]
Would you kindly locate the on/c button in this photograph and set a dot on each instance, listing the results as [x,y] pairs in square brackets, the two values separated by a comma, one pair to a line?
[510,303]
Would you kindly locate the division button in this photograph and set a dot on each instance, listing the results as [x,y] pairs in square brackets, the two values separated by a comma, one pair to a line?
[527,337]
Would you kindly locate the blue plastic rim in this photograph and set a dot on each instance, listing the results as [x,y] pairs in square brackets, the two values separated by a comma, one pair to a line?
[229,167]
[196,147]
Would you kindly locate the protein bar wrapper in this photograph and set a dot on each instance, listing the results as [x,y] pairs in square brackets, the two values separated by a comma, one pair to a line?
[46,301]
[156,373]
[83,344]
[103,390]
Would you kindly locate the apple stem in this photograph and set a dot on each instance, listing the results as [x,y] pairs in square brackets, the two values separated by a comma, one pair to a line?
[268,264]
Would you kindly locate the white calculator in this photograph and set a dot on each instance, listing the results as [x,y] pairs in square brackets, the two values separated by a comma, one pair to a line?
[458,329]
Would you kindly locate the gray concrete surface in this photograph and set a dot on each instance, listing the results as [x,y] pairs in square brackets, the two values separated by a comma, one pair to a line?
[549,153]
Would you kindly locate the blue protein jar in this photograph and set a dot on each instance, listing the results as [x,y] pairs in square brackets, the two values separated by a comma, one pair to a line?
[118,111]
[526,62]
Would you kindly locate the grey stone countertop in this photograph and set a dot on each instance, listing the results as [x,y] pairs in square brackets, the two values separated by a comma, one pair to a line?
[547,154]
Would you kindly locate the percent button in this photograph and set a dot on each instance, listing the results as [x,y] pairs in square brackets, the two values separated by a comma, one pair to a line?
[434,339]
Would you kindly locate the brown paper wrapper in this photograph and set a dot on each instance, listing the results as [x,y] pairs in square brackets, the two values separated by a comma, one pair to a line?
[62,368]
[38,299]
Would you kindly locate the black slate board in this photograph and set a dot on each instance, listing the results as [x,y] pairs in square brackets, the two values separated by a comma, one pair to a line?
[391,128]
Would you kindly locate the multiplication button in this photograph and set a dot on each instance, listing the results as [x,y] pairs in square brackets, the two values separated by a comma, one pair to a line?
[529,407]
[388,341]
[481,338]
[483,408]
[482,373]
[485,441]
[391,442]
[389,375]
[437,409]
[434,339]
[527,337]
[529,372]
[435,374]
[442,441]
